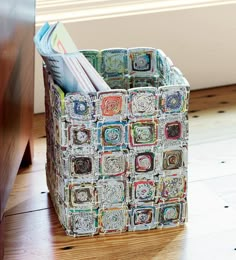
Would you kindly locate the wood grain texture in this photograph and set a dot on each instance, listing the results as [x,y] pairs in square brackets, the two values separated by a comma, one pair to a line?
[121,246]
[34,232]
[16,91]
[30,193]
[38,235]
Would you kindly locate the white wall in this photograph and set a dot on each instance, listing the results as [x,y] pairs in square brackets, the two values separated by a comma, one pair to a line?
[200,41]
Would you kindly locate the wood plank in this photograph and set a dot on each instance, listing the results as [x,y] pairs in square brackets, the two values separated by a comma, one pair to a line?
[212,160]
[16,92]
[212,127]
[51,242]
[212,98]
[30,193]
[17,28]
[39,235]
[225,188]
[205,122]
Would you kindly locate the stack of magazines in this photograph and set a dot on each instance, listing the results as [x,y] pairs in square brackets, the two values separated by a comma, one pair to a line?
[69,68]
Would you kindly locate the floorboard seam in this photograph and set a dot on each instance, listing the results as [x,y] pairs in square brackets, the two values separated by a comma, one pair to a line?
[25,212]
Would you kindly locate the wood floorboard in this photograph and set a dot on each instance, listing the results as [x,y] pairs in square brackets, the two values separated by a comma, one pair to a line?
[32,230]
[39,235]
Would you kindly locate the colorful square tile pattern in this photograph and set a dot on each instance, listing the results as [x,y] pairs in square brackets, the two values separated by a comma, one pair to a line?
[117,160]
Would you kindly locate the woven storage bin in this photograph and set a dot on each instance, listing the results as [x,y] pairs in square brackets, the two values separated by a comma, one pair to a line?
[117,160]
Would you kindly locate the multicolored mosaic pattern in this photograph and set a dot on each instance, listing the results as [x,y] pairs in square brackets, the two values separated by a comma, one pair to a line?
[117,160]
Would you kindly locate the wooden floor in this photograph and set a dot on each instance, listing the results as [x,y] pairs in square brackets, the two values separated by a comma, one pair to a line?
[32,230]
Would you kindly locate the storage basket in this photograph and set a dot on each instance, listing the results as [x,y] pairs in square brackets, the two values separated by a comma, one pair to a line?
[117,160]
